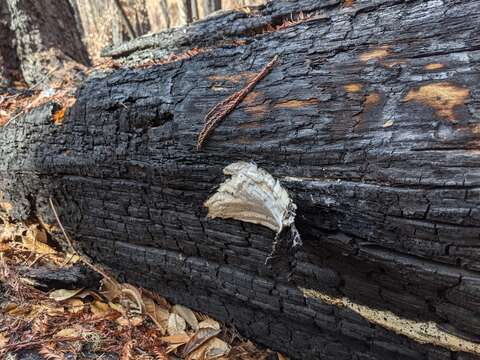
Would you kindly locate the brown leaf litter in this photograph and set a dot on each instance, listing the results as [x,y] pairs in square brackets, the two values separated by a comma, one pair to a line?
[118,318]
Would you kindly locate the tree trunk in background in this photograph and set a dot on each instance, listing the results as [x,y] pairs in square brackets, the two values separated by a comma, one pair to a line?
[195,13]
[158,14]
[211,6]
[165,13]
[78,19]
[142,19]
[117,31]
[370,120]
[47,38]
[125,19]
[185,11]
[9,64]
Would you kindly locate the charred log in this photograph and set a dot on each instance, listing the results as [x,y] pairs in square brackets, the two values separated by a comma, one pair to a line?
[73,277]
[369,121]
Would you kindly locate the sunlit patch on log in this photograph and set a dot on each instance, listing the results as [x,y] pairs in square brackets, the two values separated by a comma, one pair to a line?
[371,100]
[237,78]
[378,53]
[354,87]
[254,104]
[257,110]
[296,104]
[251,125]
[434,66]
[443,97]
[424,332]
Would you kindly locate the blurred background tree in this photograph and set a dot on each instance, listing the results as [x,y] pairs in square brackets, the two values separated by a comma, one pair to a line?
[45,41]
[106,22]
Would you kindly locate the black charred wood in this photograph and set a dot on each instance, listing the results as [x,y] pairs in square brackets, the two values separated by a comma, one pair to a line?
[73,277]
[371,121]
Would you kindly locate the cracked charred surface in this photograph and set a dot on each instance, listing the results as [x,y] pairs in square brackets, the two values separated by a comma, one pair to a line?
[377,145]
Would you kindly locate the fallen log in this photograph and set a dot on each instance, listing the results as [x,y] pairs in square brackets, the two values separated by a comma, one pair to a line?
[368,122]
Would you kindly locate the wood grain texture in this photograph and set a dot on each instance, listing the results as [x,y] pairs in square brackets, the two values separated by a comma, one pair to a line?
[376,146]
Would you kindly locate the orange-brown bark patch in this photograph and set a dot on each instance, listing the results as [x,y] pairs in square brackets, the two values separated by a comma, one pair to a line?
[257,110]
[354,87]
[251,98]
[246,76]
[296,104]
[378,53]
[251,125]
[443,97]
[253,104]
[243,140]
[371,100]
[434,66]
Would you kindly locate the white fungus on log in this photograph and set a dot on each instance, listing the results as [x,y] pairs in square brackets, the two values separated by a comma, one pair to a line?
[252,195]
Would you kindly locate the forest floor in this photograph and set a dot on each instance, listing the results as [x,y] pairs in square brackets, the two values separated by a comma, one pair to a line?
[56,304]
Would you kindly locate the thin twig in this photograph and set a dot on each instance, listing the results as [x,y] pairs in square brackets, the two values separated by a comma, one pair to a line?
[74,250]
[220,111]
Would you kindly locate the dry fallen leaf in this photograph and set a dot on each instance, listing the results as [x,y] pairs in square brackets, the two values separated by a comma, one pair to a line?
[25,312]
[158,315]
[37,247]
[180,338]
[100,308]
[212,349]
[68,332]
[187,315]
[130,321]
[132,293]
[173,347]
[5,247]
[281,356]
[37,233]
[216,348]
[86,293]
[64,294]
[118,307]
[176,324]
[71,259]
[209,323]
[4,338]
[51,310]
[74,305]
[111,290]
[197,340]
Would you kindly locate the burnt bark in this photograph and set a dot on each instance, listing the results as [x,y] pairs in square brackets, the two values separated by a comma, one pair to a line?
[369,119]
[73,277]
[47,38]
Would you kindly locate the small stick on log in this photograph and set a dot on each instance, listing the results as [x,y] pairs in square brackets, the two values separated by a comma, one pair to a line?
[220,111]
